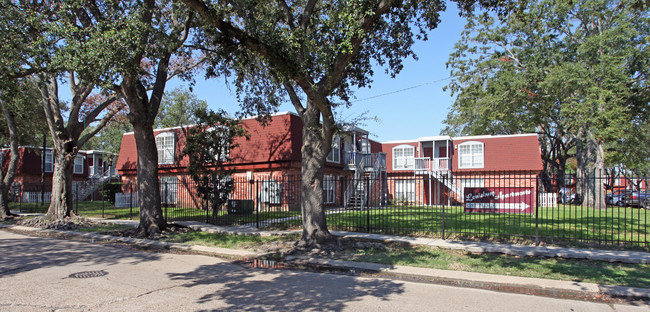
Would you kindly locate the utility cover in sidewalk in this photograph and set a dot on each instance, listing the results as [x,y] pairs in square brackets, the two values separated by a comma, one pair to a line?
[88,274]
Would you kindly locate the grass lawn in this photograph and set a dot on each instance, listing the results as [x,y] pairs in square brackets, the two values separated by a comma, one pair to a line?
[635,275]
[613,226]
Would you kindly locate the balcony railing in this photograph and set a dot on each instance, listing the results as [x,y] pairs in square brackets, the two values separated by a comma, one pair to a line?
[373,160]
[428,164]
[97,171]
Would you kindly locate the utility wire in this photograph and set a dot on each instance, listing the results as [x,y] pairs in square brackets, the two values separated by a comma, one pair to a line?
[401,90]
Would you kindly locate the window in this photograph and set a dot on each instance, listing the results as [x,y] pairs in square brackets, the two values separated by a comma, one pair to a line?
[223,154]
[78,165]
[335,154]
[405,190]
[168,190]
[329,187]
[49,162]
[77,189]
[165,146]
[270,191]
[471,155]
[403,157]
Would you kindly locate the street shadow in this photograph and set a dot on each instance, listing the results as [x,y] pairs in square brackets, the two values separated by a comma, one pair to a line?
[27,253]
[283,290]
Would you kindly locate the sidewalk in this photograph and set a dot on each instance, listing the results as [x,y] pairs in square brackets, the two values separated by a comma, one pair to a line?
[523,285]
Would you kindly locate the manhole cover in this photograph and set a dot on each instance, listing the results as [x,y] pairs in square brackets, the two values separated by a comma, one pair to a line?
[88,274]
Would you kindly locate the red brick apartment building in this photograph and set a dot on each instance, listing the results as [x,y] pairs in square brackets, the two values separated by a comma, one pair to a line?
[430,170]
[91,168]
[416,171]
[270,154]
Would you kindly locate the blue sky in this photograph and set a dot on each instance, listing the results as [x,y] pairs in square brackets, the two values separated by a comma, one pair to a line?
[401,115]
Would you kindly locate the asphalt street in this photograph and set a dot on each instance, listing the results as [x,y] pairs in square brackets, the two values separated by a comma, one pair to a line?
[43,274]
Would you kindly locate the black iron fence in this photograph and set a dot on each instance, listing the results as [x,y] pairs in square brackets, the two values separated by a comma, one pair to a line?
[502,206]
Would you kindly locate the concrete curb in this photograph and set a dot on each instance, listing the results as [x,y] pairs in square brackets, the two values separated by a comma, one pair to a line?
[523,285]
[515,284]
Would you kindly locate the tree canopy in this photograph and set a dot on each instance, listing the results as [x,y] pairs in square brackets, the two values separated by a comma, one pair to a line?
[575,72]
[178,108]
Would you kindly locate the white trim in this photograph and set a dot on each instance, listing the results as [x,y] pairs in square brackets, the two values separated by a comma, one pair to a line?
[399,142]
[74,167]
[494,136]
[406,158]
[470,145]
[162,158]
[336,141]
[51,154]
[434,138]
[329,188]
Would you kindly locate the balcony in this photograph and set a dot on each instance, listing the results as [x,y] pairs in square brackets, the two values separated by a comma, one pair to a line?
[99,171]
[370,161]
[436,164]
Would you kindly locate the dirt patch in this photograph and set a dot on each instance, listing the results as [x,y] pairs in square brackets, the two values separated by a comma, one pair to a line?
[172,229]
[341,248]
[67,224]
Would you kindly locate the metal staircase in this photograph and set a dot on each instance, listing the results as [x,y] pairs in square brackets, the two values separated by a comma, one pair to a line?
[367,171]
[93,182]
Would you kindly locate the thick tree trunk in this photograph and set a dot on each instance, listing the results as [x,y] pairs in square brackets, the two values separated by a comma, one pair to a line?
[314,152]
[8,178]
[590,154]
[151,216]
[61,200]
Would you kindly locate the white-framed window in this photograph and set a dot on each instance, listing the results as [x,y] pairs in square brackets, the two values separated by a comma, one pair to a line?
[165,145]
[78,165]
[471,155]
[329,189]
[168,190]
[224,152]
[403,157]
[405,190]
[49,162]
[335,154]
[270,191]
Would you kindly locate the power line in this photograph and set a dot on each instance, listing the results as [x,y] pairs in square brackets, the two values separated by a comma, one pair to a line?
[401,90]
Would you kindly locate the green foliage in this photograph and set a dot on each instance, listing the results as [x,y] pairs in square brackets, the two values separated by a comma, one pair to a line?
[177,109]
[109,190]
[21,98]
[208,146]
[572,71]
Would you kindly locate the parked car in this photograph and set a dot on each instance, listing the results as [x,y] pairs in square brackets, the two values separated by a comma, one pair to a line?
[567,196]
[638,198]
[617,197]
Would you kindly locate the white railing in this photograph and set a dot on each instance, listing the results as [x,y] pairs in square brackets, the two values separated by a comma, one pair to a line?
[437,164]
[369,160]
[548,200]
[124,200]
[422,164]
[101,171]
[35,197]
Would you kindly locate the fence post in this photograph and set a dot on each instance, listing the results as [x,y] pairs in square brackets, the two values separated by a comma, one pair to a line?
[77,199]
[537,211]
[367,195]
[103,199]
[443,206]
[166,200]
[257,209]
[130,201]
